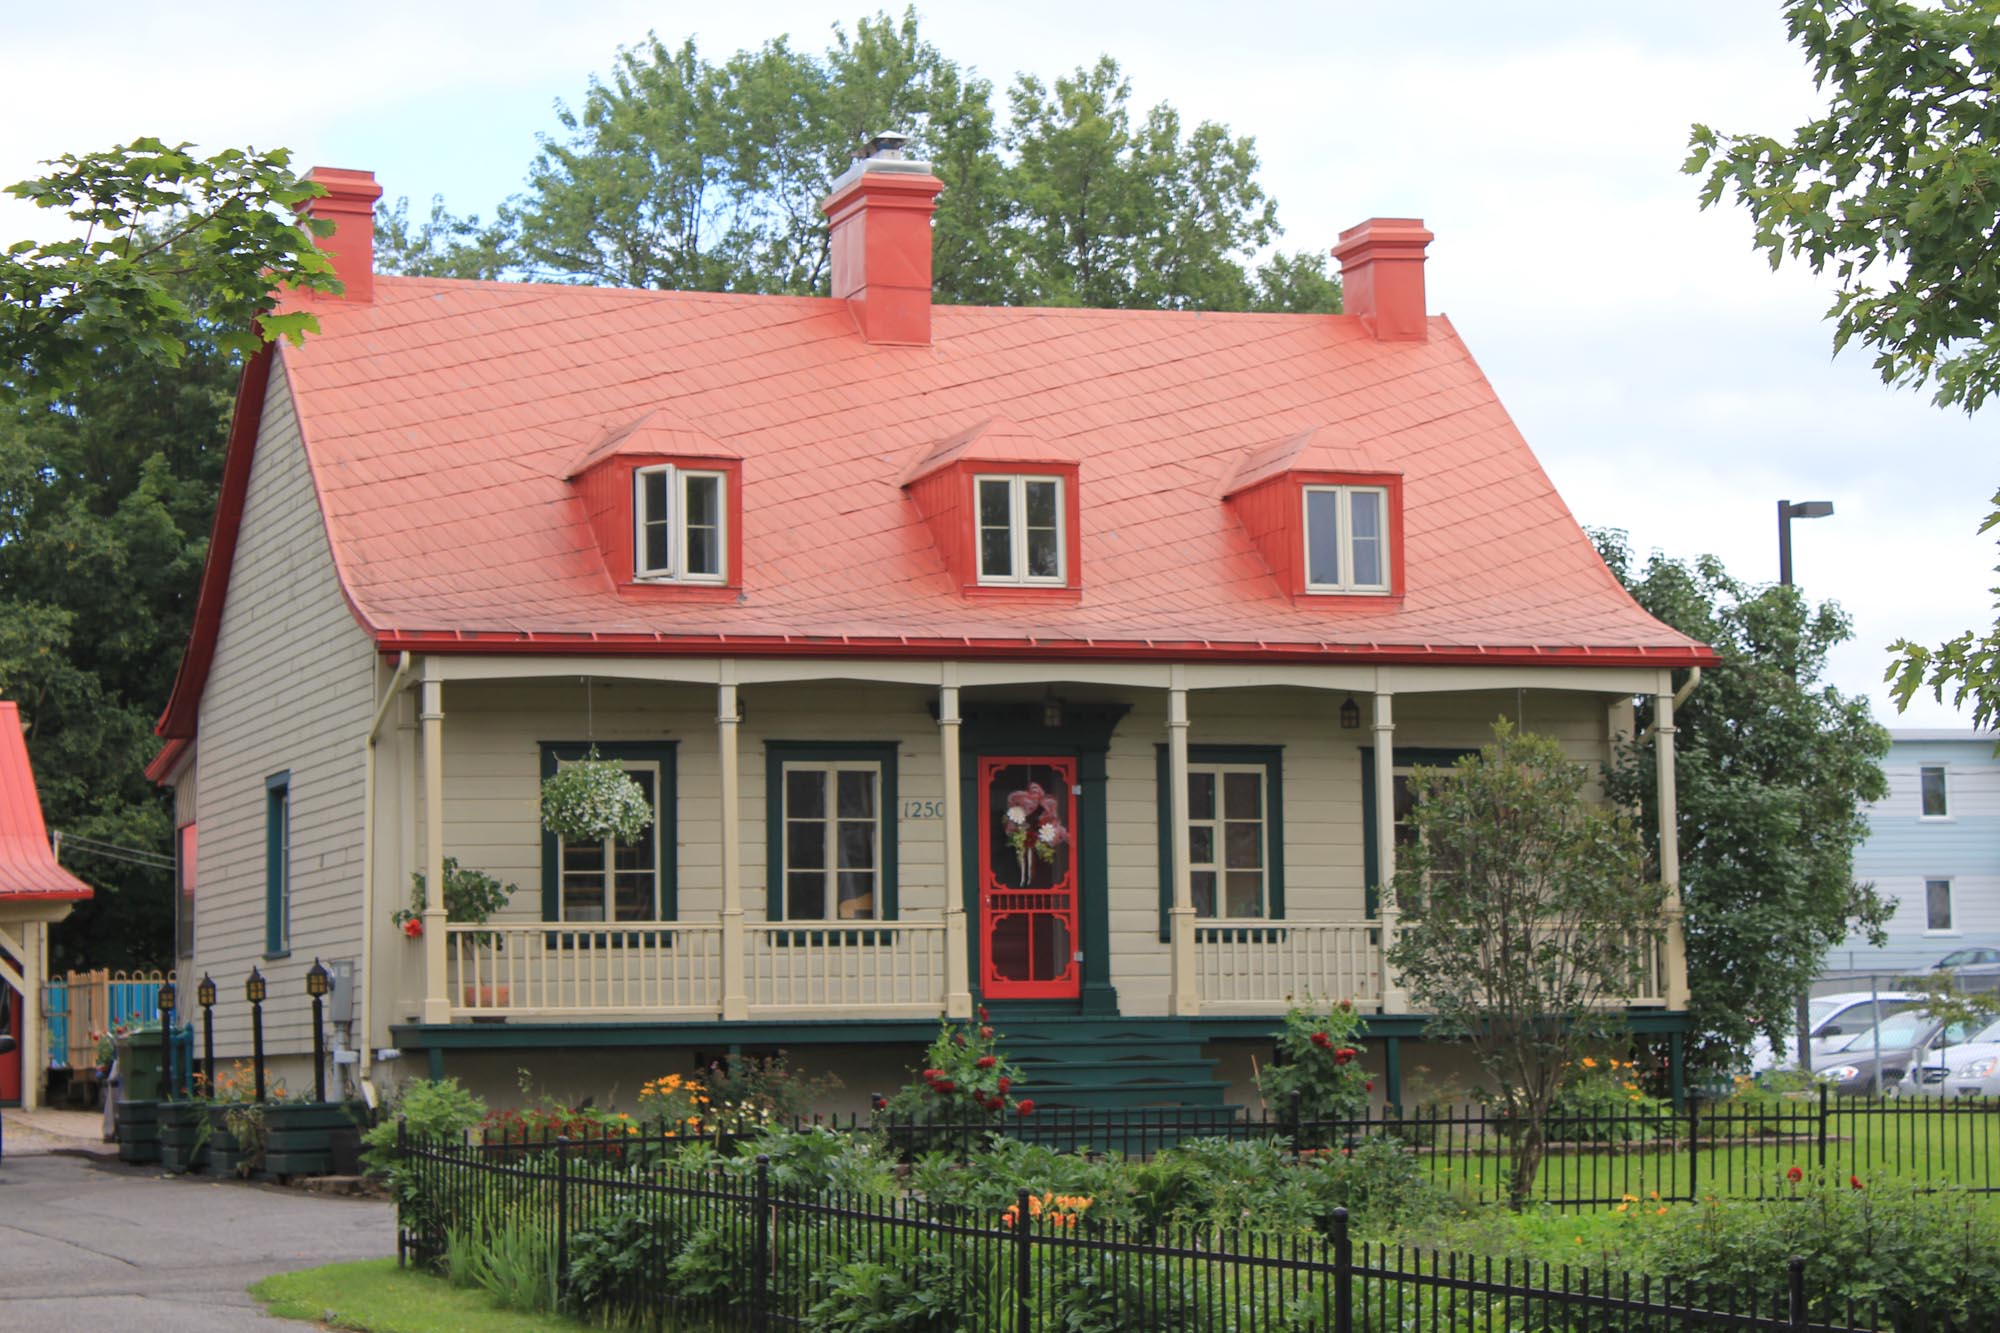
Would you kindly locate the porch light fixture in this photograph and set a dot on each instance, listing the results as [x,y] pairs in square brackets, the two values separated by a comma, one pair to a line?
[1350,715]
[319,981]
[1052,712]
[253,989]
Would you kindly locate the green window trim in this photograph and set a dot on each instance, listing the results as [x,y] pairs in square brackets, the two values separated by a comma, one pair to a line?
[1401,757]
[666,836]
[1272,758]
[278,865]
[776,755]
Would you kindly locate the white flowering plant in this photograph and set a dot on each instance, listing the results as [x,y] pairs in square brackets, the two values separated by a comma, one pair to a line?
[594,799]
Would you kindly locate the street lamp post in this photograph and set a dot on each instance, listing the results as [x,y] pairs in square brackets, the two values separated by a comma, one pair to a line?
[1787,511]
[253,991]
[167,1002]
[204,995]
[318,982]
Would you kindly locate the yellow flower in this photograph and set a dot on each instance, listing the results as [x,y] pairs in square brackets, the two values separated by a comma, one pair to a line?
[1660,1211]
[1589,1063]
[1629,1198]
[1621,1207]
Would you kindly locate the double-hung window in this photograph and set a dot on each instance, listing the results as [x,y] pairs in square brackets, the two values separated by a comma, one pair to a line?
[1937,906]
[1020,530]
[616,879]
[1227,840]
[678,526]
[1347,539]
[1935,799]
[832,842]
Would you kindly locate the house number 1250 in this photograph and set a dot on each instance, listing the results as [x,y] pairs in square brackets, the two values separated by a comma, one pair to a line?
[923,810]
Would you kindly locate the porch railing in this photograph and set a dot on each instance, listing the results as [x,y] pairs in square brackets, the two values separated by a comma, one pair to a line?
[1262,969]
[879,967]
[554,969]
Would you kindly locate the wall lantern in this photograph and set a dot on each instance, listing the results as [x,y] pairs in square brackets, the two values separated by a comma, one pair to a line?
[1350,715]
[1052,713]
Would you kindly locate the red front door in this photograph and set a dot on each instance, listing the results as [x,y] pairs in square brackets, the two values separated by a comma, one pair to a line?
[1027,878]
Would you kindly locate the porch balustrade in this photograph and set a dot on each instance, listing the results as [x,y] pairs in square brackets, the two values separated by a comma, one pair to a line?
[1266,969]
[886,967]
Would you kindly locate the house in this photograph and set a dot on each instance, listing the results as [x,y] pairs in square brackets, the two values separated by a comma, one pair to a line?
[35,893]
[841,581]
[1933,850]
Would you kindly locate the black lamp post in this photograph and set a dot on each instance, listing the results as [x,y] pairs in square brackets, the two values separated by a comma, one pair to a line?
[253,991]
[204,995]
[318,982]
[1787,511]
[167,1001]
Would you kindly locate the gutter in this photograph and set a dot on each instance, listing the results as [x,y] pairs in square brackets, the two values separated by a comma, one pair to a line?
[1680,697]
[367,1046]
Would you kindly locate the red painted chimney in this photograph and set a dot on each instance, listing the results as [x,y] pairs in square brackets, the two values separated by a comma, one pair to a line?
[349,203]
[1382,277]
[881,210]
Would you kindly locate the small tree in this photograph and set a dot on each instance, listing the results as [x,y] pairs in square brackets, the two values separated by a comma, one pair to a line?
[1526,917]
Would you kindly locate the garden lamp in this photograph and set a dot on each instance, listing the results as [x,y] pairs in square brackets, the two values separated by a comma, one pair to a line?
[318,982]
[204,995]
[253,991]
[167,1001]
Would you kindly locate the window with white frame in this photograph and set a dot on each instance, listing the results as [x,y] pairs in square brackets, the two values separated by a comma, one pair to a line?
[1228,836]
[615,880]
[1347,539]
[677,520]
[1931,792]
[1020,536]
[833,841]
[1937,906]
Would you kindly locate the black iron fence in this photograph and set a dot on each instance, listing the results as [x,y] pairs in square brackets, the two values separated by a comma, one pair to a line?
[658,1246]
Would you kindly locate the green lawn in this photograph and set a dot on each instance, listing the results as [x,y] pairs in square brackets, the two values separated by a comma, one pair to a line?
[377,1297]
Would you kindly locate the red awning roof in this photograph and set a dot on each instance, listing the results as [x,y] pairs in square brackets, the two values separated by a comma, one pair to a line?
[28,869]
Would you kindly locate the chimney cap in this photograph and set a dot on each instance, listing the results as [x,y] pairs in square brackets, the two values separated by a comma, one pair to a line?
[886,146]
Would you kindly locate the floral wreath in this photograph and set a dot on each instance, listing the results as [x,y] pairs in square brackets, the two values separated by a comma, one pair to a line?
[1032,823]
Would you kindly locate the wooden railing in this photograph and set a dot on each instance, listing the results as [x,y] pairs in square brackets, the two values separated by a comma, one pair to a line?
[558,969]
[1265,969]
[881,967]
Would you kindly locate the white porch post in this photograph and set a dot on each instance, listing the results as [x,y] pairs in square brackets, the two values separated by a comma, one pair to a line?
[735,994]
[1670,847]
[437,994]
[957,986]
[1394,1001]
[34,971]
[1180,917]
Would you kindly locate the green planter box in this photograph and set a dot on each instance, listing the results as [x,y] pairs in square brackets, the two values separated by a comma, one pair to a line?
[184,1135]
[138,1129]
[139,1065]
[299,1136]
[225,1154]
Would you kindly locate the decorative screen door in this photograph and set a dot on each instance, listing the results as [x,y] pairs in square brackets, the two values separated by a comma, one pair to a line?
[1027,878]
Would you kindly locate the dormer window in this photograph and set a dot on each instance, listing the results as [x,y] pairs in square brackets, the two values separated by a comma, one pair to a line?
[678,531]
[1346,539]
[1020,539]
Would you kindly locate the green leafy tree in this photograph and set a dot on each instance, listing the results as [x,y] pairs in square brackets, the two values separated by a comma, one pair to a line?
[440,245]
[1772,766]
[1525,915]
[1968,665]
[1892,188]
[166,240]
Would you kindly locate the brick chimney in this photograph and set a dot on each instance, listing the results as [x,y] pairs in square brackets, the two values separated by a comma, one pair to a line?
[1382,277]
[880,209]
[349,203]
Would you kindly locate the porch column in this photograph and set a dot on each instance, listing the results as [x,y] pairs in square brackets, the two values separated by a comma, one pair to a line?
[1180,917]
[957,985]
[1670,848]
[437,993]
[735,995]
[1394,1001]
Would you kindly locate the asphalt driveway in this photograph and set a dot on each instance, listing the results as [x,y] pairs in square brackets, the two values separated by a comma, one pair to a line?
[87,1244]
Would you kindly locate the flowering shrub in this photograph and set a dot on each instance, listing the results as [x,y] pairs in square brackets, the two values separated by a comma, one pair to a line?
[238,1083]
[594,799]
[469,895]
[965,1077]
[1602,1101]
[764,1086]
[675,1103]
[1319,1060]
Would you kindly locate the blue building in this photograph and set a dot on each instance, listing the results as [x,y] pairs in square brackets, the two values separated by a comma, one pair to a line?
[1933,849]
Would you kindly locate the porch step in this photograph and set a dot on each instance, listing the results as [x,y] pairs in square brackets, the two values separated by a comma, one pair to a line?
[1109,1063]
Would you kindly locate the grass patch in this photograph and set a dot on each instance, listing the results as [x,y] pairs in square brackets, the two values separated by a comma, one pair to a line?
[375,1296]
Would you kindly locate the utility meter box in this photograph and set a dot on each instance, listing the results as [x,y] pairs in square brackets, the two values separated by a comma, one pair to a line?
[340,1000]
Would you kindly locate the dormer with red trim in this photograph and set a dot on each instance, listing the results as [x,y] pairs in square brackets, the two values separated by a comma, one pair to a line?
[1003,507]
[665,502]
[1327,518]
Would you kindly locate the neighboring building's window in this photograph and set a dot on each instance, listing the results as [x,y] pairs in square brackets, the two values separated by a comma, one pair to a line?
[1937,905]
[677,525]
[1930,781]
[184,848]
[1227,839]
[833,841]
[1020,535]
[278,864]
[1347,539]
[614,880]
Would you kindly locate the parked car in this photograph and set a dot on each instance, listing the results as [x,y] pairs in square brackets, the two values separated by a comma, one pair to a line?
[1967,1069]
[1834,1020]
[1976,969]
[1874,1061]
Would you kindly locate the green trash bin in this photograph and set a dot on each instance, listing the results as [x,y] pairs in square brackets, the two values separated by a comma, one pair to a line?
[139,1065]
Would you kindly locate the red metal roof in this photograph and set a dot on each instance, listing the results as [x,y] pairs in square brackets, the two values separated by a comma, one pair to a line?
[28,868]
[443,419]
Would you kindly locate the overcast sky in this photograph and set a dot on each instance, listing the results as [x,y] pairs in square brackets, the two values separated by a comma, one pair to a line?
[1670,383]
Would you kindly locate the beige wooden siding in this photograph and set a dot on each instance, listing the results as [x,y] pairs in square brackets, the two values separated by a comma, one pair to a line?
[290,690]
[493,734]
[185,796]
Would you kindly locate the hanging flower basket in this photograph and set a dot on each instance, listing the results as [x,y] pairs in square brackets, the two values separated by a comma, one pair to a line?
[594,799]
